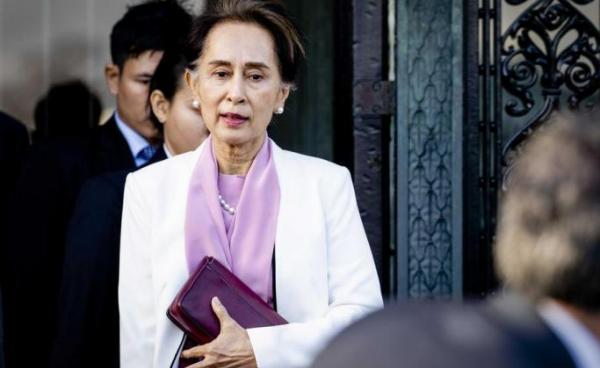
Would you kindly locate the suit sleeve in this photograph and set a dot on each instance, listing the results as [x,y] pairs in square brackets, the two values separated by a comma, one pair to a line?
[38,216]
[88,316]
[137,322]
[353,285]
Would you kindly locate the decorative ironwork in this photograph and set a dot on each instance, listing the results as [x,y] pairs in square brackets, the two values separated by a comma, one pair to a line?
[548,58]
[551,47]
[481,145]
[430,150]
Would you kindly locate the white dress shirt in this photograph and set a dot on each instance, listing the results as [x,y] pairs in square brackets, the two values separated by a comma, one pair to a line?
[579,341]
[167,152]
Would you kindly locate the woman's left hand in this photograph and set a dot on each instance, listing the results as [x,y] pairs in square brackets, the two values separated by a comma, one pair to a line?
[231,349]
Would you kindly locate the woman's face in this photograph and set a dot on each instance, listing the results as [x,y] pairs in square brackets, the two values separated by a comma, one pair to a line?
[238,83]
[184,129]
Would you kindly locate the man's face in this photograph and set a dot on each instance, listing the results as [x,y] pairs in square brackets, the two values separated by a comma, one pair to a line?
[130,86]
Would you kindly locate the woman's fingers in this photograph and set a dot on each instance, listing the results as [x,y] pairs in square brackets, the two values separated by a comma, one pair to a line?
[231,349]
[207,362]
[196,351]
[224,320]
[220,311]
[228,363]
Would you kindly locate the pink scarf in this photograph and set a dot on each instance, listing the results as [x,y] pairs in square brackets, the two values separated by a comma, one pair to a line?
[250,251]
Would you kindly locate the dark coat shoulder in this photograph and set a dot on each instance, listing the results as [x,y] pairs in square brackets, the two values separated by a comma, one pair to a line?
[447,335]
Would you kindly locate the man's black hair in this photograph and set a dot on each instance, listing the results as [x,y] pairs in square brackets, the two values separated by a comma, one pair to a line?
[155,25]
[68,109]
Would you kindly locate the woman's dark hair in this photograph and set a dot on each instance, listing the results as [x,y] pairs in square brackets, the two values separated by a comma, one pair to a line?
[167,78]
[269,14]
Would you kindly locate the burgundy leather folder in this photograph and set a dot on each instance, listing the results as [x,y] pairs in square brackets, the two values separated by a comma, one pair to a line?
[192,312]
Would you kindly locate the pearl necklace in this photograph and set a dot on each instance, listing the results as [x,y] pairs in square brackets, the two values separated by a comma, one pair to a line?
[226,206]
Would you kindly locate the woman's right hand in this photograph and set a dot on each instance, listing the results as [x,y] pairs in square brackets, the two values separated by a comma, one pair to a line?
[231,349]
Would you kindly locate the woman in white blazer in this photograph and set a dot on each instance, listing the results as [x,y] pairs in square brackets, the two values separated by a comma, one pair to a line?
[245,201]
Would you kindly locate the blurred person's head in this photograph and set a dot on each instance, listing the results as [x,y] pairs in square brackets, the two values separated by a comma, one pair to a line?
[68,109]
[137,43]
[549,234]
[173,109]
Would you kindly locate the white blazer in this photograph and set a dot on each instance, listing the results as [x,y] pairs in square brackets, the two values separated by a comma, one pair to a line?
[325,276]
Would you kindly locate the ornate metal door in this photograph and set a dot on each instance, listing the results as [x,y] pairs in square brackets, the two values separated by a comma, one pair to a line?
[533,57]
[474,79]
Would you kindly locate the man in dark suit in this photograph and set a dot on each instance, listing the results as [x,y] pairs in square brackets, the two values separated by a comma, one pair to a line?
[548,246]
[14,144]
[547,254]
[88,315]
[88,312]
[67,109]
[57,169]
[504,333]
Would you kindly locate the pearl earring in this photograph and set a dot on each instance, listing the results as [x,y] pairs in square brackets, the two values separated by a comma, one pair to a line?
[279,110]
[196,104]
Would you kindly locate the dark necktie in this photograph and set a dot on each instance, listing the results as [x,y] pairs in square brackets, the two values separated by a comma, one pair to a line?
[146,154]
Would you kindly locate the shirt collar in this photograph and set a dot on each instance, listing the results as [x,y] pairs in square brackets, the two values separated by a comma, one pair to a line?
[167,152]
[583,346]
[135,141]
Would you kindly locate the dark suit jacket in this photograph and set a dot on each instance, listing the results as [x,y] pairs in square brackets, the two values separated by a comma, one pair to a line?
[505,332]
[109,150]
[43,205]
[88,315]
[14,144]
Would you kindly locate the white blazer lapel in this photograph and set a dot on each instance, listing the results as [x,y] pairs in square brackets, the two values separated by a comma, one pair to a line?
[299,255]
[170,255]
